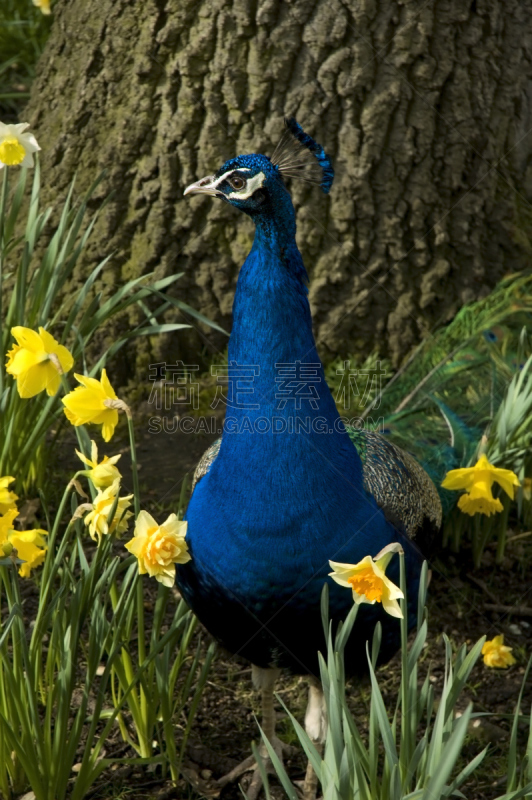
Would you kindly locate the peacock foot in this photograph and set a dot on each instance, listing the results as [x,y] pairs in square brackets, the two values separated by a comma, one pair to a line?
[308,789]
[254,786]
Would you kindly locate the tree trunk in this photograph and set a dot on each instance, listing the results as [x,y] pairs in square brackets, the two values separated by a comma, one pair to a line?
[425,108]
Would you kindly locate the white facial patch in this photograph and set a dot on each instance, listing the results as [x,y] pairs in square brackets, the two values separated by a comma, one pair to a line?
[251,186]
[215,183]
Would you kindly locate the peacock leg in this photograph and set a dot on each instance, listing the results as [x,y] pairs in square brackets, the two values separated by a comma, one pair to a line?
[263,680]
[316,728]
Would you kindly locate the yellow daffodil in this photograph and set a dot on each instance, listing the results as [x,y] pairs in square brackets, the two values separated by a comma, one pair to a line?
[37,361]
[6,528]
[368,581]
[103,474]
[527,489]
[477,481]
[44,5]
[96,520]
[7,498]
[496,654]
[31,548]
[159,547]
[94,401]
[16,147]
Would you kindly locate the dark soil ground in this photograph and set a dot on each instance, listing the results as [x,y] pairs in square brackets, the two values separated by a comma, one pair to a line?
[459,605]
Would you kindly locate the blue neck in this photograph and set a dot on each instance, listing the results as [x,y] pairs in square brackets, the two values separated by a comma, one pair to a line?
[272,326]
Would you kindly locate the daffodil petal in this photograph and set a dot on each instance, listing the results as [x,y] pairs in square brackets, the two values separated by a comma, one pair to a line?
[31,383]
[110,392]
[458,479]
[85,460]
[144,522]
[507,480]
[391,606]
[53,380]
[109,426]
[22,361]
[392,591]
[361,598]
[27,338]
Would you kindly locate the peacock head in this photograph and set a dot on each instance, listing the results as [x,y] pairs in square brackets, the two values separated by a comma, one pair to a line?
[249,182]
[255,183]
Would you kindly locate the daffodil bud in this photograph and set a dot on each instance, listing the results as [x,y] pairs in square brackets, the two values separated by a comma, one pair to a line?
[7,548]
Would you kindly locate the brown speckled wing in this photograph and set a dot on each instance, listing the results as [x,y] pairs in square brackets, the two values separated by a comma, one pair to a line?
[205,461]
[400,486]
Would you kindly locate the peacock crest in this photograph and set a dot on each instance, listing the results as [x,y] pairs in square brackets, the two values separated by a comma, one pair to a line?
[298,156]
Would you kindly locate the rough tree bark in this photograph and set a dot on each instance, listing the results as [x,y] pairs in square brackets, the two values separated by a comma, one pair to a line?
[426,108]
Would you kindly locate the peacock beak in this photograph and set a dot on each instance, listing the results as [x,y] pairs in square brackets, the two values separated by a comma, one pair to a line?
[204,186]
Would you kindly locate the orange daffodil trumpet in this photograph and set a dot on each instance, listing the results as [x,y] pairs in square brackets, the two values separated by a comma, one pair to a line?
[94,401]
[16,146]
[103,474]
[497,654]
[477,481]
[368,581]
[159,547]
[37,361]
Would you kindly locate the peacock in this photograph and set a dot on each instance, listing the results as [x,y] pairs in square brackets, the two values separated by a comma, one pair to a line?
[288,487]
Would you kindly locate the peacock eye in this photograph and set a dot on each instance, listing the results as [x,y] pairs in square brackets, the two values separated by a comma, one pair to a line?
[236,182]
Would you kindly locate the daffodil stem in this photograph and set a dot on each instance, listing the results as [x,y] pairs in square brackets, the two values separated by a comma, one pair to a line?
[477,544]
[116,697]
[140,624]
[144,710]
[457,530]
[50,564]
[406,749]
[3,200]
[137,702]
[503,528]
[134,468]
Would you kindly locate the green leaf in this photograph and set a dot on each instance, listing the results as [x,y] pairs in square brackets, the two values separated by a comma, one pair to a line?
[279,768]
[448,756]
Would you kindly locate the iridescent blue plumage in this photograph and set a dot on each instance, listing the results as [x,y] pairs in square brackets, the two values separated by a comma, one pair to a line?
[286,492]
